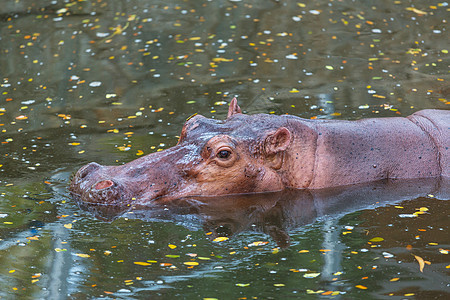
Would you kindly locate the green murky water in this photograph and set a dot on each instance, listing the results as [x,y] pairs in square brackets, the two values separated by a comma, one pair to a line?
[109,81]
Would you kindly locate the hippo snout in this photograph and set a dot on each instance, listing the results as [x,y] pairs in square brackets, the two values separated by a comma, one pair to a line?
[90,184]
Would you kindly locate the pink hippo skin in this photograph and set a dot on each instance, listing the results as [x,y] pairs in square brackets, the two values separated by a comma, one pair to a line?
[262,153]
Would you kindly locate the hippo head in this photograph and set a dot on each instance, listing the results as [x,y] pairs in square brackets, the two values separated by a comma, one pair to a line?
[243,154]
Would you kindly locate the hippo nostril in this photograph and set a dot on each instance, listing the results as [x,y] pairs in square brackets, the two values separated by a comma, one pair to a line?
[104,184]
[91,167]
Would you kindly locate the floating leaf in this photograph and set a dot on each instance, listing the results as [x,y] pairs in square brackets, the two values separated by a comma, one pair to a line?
[142,263]
[257,244]
[311,292]
[220,239]
[68,226]
[420,261]
[242,284]
[376,239]
[82,255]
[394,279]
[311,275]
[361,287]
[165,264]
[172,246]
[204,258]
[191,263]
[417,11]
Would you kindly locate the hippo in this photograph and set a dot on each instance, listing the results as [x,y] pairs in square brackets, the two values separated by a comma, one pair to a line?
[265,153]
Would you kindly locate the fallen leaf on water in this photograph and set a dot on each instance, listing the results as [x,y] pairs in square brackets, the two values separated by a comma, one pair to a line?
[68,226]
[82,255]
[361,287]
[417,11]
[257,244]
[421,262]
[242,284]
[142,263]
[191,263]
[220,239]
[394,279]
[165,264]
[311,275]
[310,292]
[376,239]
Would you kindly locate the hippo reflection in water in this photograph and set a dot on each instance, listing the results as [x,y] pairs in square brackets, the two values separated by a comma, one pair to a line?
[275,213]
[261,153]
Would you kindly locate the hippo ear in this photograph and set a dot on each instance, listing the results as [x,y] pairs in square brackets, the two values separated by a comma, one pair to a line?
[278,141]
[234,108]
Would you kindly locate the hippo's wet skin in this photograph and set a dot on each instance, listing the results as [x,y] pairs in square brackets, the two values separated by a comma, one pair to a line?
[261,153]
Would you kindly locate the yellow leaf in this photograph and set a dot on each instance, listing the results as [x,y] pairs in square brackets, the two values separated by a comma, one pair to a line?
[191,263]
[221,59]
[82,255]
[394,279]
[311,275]
[141,263]
[303,251]
[311,292]
[417,11]
[220,239]
[242,284]
[172,246]
[421,262]
[376,239]
[361,287]
[68,226]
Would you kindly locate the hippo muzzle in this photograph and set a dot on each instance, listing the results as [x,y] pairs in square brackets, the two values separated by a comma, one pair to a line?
[139,181]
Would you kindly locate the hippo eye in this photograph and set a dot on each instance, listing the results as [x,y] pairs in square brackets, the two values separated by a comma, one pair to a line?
[224,154]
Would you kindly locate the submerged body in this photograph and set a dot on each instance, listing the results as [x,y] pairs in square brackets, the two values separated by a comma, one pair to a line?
[261,153]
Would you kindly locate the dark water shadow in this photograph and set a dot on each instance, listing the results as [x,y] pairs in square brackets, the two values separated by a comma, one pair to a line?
[278,212]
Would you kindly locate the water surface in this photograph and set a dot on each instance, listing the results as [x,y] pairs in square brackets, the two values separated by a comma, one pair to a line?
[110,81]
